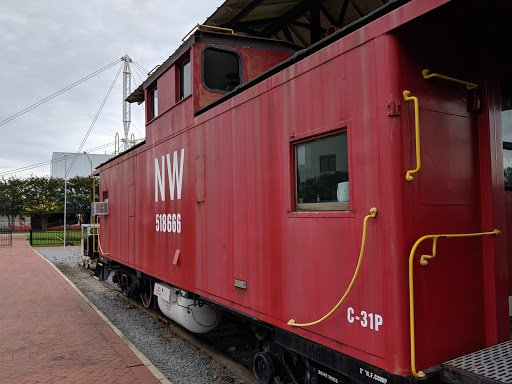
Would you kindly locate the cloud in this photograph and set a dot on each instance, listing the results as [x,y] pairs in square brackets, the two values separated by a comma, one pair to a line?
[50,44]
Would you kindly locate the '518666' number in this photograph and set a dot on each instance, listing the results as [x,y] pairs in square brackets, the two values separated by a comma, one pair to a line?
[170,222]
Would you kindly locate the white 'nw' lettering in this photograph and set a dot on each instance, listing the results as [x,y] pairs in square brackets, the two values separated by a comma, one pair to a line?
[175,178]
[159,180]
[174,174]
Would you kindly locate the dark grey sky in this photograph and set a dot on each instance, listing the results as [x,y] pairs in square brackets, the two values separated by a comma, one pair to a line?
[46,45]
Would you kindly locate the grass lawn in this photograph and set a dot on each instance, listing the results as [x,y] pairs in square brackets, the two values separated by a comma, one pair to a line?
[54,238]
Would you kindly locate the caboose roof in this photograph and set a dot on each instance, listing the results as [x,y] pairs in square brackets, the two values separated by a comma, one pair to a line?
[209,37]
[302,23]
[295,21]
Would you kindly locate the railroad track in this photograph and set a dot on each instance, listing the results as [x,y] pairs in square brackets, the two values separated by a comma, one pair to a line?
[231,344]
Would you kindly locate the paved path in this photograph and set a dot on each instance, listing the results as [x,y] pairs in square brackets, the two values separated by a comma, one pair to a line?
[49,334]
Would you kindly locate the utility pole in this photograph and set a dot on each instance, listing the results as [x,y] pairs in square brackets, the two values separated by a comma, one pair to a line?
[93,186]
[127,111]
[65,196]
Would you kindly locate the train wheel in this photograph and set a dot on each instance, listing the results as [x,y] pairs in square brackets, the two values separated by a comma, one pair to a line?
[264,368]
[146,292]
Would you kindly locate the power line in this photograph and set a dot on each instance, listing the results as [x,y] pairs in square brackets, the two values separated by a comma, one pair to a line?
[100,147]
[140,70]
[140,66]
[29,167]
[95,119]
[134,80]
[143,74]
[48,98]
[135,70]
[141,135]
[48,162]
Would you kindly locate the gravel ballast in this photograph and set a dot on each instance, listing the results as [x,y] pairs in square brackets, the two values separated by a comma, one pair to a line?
[180,362]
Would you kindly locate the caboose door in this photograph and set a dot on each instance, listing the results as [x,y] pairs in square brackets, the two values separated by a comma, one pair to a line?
[506,128]
[132,205]
[458,294]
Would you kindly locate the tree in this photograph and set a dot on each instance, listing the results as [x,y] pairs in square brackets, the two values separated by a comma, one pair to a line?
[12,198]
[44,196]
[79,197]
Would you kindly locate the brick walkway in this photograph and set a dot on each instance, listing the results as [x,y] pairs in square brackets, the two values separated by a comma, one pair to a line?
[49,334]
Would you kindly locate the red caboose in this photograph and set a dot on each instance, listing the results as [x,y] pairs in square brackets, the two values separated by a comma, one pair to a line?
[254,188]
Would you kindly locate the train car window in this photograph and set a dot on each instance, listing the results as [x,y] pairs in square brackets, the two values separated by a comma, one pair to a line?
[153,104]
[321,174]
[506,123]
[185,80]
[105,196]
[221,69]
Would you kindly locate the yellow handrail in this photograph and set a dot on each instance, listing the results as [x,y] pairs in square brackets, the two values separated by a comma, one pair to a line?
[424,262]
[208,26]
[116,144]
[427,75]
[94,233]
[373,213]
[407,97]
[151,72]
[99,242]
[93,201]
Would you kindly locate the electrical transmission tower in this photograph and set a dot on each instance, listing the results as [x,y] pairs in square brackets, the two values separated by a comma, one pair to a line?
[127,111]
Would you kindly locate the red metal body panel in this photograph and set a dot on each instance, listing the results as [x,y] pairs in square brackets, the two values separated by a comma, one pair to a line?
[238,219]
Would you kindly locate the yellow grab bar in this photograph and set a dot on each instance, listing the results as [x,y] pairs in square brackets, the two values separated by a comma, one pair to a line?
[424,262]
[427,75]
[208,26]
[407,97]
[155,67]
[96,220]
[116,144]
[373,213]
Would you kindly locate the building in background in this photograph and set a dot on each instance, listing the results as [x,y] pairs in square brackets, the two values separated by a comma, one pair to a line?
[21,222]
[81,166]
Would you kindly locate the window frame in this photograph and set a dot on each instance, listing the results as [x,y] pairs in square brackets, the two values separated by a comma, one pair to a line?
[315,134]
[180,76]
[505,94]
[327,167]
[152,103]
[222,49]
[507,146]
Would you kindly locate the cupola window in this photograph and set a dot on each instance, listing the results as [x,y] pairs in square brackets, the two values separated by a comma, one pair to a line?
[221,69]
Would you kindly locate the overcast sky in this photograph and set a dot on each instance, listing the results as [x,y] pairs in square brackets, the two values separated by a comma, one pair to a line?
[46,45]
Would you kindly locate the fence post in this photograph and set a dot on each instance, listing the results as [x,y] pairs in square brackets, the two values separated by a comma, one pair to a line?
[30,236]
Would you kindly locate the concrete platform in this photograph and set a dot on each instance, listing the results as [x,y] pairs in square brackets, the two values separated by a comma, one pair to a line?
[50,334]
